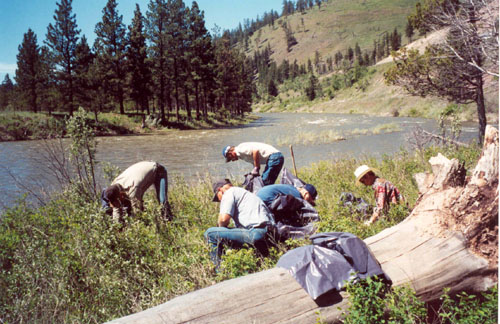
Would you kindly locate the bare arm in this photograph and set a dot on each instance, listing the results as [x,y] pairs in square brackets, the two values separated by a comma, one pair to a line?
[256,159]
[223,220]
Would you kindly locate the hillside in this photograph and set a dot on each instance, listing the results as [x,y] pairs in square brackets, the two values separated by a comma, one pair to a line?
[334,27]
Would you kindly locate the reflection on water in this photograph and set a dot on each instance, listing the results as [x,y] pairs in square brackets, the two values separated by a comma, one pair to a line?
[193,154]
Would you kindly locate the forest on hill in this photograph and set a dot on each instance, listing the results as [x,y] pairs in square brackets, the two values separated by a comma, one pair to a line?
[327,56]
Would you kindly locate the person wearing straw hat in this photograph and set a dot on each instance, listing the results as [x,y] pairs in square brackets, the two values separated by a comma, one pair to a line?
[252,220]
[385,192]
[257,153]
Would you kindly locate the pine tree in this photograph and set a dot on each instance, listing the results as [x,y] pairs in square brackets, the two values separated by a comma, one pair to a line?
[201,58]
[409,32]
[311,88]
[395,40]
[139,73]
[156,33]
[110,50]
[176,29]
[84,59]
[6,92]
[49,93]
[62,39]
[272,90]
[28,70]
[350,54]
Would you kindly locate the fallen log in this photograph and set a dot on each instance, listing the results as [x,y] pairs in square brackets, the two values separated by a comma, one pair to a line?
[449,240]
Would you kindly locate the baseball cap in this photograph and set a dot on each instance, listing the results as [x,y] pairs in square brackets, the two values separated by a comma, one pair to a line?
[217,185]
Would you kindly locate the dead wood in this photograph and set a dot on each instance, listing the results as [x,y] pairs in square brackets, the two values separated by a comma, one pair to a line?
[449,240]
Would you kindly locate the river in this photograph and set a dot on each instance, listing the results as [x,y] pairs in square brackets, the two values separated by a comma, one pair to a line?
[192,154]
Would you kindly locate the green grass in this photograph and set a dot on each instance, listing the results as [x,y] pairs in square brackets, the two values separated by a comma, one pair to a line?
[27,125]
[84,268]
[339,24]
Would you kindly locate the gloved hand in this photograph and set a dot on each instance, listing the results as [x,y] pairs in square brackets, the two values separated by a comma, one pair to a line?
[255,171]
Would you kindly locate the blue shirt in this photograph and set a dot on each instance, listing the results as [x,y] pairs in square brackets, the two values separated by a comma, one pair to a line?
[270,192]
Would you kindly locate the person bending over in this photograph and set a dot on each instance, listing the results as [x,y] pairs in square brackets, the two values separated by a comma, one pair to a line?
[252,220]
[127,190]
[257,153]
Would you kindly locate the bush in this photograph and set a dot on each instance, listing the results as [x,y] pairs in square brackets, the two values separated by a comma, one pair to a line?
[84,268]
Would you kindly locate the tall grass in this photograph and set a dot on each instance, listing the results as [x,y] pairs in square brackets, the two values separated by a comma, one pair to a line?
[68,262]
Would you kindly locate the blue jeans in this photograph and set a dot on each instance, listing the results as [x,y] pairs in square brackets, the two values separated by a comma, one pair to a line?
[217,237]
[273,167]
[161,188]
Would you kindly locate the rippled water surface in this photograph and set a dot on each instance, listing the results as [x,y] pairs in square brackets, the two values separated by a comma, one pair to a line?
[193,154]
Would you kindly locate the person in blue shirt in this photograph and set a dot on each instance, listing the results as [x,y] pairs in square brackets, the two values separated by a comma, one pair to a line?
[269,193]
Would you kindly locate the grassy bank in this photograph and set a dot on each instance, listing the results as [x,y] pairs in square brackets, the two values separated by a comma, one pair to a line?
[67,262]
[29,126]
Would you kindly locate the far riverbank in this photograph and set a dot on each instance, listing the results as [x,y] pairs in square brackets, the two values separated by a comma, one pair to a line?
[16,126]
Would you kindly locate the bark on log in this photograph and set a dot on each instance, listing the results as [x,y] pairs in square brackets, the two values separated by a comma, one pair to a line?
[449,240]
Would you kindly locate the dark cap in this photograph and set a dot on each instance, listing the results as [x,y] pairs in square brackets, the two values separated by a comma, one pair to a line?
[217,185]
[311,190]
[111,193]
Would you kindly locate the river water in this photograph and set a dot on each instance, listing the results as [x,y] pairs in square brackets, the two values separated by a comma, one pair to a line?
[192,154]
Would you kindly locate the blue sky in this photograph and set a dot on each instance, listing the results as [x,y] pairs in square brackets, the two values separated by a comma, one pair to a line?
[16,16]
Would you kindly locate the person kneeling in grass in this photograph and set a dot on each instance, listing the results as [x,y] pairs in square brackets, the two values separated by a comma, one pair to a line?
[252,220]
[385,192]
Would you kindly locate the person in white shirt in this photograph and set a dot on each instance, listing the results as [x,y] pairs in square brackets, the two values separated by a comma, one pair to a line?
[252,220]
[257,153]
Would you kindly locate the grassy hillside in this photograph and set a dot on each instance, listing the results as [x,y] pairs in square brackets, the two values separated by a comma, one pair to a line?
[334,27]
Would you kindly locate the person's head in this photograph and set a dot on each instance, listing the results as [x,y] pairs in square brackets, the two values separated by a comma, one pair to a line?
[309,193]
[219,187]
[113,195]
[229,154]
[365,175]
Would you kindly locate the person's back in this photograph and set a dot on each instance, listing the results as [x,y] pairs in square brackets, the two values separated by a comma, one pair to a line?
[269,193]
[246,209]
[137,178]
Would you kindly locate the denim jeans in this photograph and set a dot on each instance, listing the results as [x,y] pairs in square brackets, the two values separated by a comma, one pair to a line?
[273,167]
[161,188]
[217,237]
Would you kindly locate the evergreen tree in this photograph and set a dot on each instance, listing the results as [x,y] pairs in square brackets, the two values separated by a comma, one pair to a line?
[409,32]
[28,70]
[357,51]
[156,32]
[6,92]
[395,40]
[62,39]
[311,88]
[272,90]
[201,59]
[110,50]
[48,90]
[139,73]
[84,58]
[350,54]
[177,46]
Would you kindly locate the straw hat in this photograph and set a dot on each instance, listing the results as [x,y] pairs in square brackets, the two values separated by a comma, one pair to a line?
[361,171]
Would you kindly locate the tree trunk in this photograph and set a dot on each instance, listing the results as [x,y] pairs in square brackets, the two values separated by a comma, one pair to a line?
[449,240]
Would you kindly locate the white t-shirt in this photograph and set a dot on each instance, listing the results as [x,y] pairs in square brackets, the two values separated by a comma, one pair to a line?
[245,150]
[245,208]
